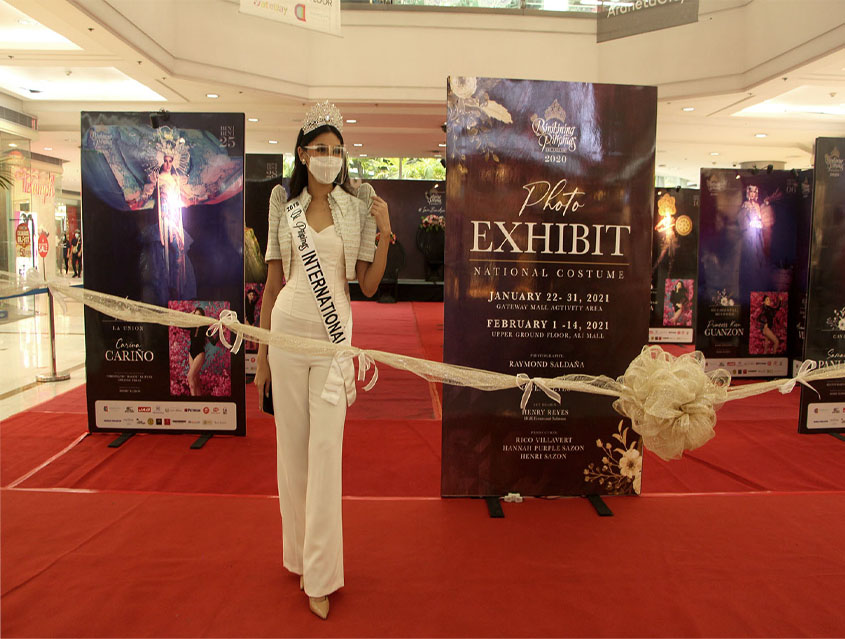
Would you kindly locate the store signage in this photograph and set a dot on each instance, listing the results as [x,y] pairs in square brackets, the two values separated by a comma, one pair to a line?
[34,182]
[641,16]
[823,409]
[43,244]
[318,15]
[549,201]
[23,240]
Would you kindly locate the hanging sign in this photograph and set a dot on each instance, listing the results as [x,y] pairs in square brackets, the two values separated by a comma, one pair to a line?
[318,15]
[619,20]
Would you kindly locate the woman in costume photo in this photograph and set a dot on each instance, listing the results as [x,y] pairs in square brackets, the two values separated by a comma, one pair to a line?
[679,298]
[766,321]
[318,241]
[196,356]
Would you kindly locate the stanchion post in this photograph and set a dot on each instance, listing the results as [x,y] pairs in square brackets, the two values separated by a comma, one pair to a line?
[53,376]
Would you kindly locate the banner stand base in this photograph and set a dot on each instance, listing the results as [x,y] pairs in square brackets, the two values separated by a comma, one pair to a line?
[838,436]
[117,443]
[52,378]
[601,508]
[494,507]
[201,440]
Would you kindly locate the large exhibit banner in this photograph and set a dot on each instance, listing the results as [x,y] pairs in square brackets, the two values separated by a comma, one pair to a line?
[263,172]
[674,266]
[797,329]
[163,217]
[747,260]
[550,189]
[823,410]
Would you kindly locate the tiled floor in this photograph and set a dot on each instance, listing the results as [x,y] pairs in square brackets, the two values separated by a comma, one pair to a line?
[25,351]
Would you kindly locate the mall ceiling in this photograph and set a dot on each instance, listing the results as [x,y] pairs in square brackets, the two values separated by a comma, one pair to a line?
[388,72]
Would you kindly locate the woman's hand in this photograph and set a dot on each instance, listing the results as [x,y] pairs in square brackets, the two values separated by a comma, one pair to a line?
[379,211]
[262,380]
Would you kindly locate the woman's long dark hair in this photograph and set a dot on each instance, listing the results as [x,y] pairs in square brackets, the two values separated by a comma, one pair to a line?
[201,312]
[299,178]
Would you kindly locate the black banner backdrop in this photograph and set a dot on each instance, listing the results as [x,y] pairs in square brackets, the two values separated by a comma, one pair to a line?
[674,265]
[409,202]
[163,216]
[263,171]
[550,189]
[825,339]
[747,260]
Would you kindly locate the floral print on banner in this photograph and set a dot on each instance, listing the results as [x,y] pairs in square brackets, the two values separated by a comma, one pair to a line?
[471,110]
[216,375]
[620,471]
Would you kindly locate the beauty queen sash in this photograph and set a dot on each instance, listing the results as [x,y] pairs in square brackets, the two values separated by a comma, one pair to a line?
[342,373]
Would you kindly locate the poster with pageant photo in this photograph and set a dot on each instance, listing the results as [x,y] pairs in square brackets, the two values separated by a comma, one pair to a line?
[823,410]
[263,171]
[163,214]
[550,193]
[674,265]
[747,264]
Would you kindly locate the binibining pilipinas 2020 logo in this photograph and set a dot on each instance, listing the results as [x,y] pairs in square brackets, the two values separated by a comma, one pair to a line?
[555,137]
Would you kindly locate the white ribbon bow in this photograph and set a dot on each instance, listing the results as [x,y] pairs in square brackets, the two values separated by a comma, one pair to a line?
[364,363]
[806,367]
[527,385]
[227,317]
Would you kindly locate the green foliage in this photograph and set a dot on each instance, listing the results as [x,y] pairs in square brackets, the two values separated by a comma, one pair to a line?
[389,168]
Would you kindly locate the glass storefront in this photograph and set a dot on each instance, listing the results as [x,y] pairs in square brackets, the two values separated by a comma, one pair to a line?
[28,205]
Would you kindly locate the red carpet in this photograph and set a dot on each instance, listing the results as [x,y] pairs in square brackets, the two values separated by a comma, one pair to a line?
[97,565]
[185,543]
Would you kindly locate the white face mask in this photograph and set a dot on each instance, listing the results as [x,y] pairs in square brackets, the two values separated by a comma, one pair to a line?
[325,169]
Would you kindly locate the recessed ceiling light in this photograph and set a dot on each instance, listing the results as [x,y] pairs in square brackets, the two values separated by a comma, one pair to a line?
[442,144]
[211,95]
[252,119]
[363,155]
[761,135]
[352,122]
[26,22]
[357,144]
[48,148]
[13,145]
[714,153]
[688,109]
[273,141]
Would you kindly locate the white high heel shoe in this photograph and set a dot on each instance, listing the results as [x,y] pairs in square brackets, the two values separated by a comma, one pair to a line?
[319,606]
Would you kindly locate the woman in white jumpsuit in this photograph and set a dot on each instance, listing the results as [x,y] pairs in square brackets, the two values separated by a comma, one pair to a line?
[311,393]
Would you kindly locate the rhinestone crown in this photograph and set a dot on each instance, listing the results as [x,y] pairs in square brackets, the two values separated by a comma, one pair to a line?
[321,114]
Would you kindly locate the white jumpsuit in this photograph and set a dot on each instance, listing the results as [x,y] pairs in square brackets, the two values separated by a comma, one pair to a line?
[309,430]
